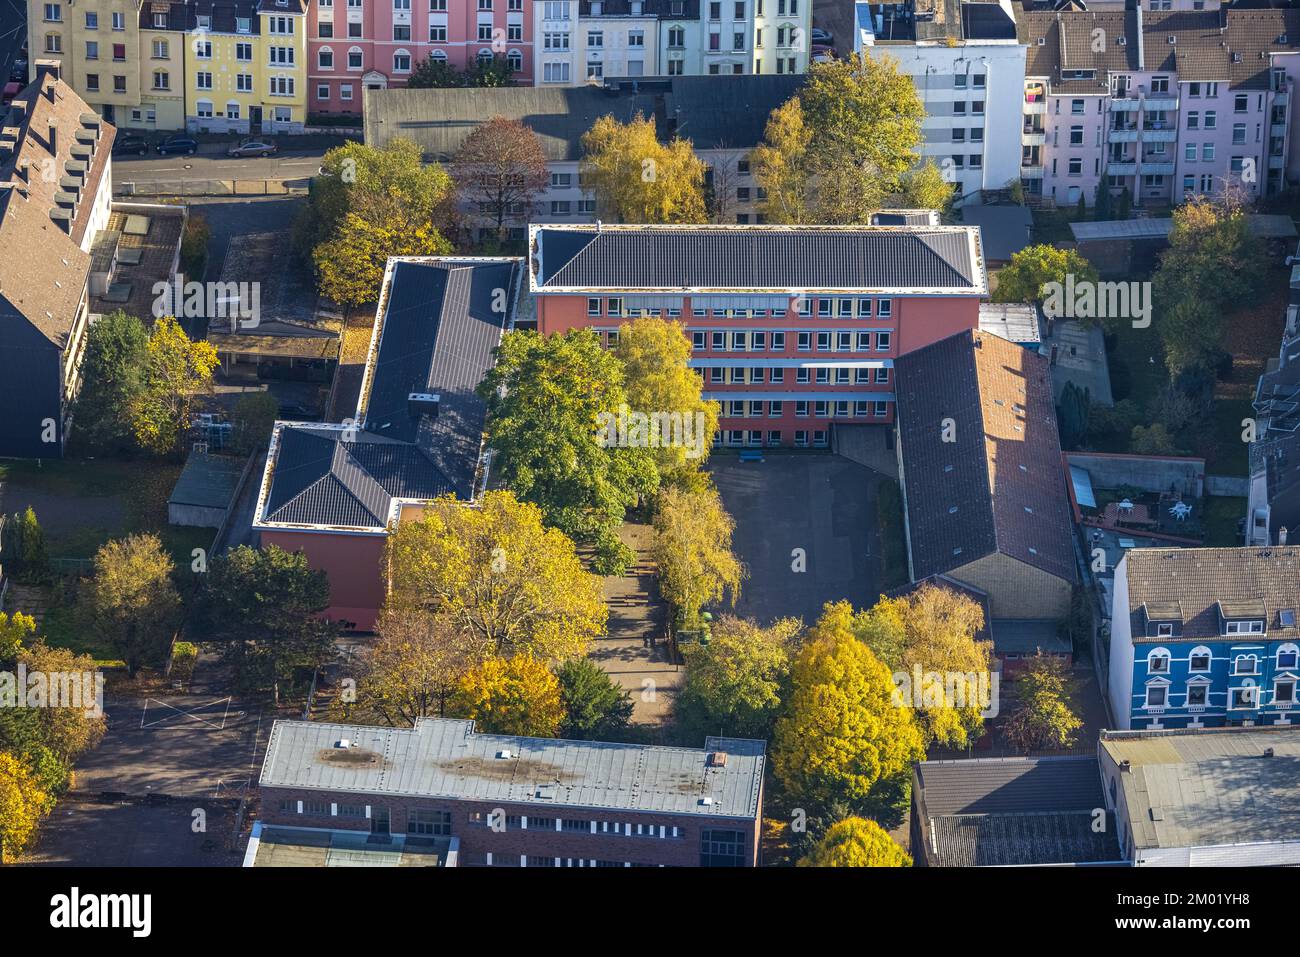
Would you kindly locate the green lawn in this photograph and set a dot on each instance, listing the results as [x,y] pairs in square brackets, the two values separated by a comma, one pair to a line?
[1221,518]
[61,629]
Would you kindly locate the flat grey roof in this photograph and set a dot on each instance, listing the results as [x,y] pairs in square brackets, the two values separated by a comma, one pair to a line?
[446,758]
[1209,786]
[207,480]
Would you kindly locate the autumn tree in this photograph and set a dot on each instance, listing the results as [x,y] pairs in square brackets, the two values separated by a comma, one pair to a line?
[926,187]
[15,630]
[846,147]
[22,805]
[497,573]
[546,397]
[371,204]
[843,738]
[131,603]
[637,179]
[56,732]
[499,170]
[265,606]
[931,634]
[25,553]
[856,842]
[656,354]
[734,684]
[596,708]
[1031,269]
[176,369]
[415,668]
[1043,718]
[515,695]
[692,550]
[111,375]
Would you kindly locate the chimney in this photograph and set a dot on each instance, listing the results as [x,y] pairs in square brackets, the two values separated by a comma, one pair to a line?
[423,403]
[50,68]
[1281,535]
[53,139]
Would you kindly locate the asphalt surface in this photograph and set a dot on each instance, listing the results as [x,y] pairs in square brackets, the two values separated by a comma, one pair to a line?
[211,163]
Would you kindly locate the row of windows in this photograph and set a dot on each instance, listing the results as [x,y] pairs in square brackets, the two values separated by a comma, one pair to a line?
[826,307]
[435,6]
[1160,659]
[509,822]
[741,375]
[820,409]
[1238,699]
[753,438]
[744,340]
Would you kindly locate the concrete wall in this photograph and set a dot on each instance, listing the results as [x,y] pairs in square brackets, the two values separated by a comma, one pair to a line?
[1148,472]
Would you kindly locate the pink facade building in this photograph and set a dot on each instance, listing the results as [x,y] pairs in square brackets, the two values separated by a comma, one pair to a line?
[793,328]
[358,44]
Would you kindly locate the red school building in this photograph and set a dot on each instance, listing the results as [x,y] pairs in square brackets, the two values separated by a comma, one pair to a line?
[793,328]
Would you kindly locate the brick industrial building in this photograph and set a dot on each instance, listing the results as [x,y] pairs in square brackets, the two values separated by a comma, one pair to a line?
[441,792]
[793,328]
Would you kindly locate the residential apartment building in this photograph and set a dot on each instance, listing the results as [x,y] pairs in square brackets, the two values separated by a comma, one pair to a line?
[984,498]
[1273,503]
[723,117]
[202,65]
[968,68]
[503,801]
[792,328]
[1205,637]
[55,196]
[1203,798]
[375,44]
[333,491]
[1164,104]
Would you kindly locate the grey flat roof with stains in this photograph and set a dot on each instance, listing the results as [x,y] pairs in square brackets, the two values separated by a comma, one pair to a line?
[446,758]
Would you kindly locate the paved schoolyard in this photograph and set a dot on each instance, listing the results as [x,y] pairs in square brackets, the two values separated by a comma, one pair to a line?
[809,508]
[85,834]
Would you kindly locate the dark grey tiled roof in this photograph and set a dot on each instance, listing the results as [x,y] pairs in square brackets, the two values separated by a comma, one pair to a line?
[750,257]
[1195,580]
[1008,840]
[1010,785]
[439,324]
[1000,486]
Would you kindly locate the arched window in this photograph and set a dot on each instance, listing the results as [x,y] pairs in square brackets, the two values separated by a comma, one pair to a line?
[1158,661]
[402,61]
[439,55]
[1288,656]
[1245,665]
[325,58]
[516,59]
[1199,660]
[354,58]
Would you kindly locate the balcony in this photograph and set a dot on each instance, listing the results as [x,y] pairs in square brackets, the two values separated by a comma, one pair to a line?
[1156,168]
[1031,172]
[1123,136]
[1161,101]
[1276,162]
[1281,98]
[1125,104]
[1033,137]
[1121,168]
[1277,129]
[1159,135]
[1035,107]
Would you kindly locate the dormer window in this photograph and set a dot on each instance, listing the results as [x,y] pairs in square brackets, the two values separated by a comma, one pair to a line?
[1165,630]
[1244,628]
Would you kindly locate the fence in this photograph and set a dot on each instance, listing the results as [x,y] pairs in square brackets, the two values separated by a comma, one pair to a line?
[213,187]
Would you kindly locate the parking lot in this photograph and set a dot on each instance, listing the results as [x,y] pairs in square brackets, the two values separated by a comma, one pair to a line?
[805,530]
[177,834]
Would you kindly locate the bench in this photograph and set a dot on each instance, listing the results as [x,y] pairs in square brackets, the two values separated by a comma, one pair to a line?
[751,455]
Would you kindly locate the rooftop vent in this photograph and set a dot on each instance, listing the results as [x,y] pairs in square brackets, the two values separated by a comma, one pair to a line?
[343,743]
[423,403]
[1122,41]
[1268,752]
[1126,766]
[707,802]
[505,754]
[718,759]
[1172,39]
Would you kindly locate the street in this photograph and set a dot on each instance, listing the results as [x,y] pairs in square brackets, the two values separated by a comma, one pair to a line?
[291,164]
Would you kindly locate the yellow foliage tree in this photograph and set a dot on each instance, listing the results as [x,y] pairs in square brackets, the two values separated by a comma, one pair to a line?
[843,738]
[14,630]
[638,179]
[930,636]
[351,265]
[659,381]
[516,695]
[692,549]
[22,805]
[856,842]
[496,572]
[176,369]
[780,165]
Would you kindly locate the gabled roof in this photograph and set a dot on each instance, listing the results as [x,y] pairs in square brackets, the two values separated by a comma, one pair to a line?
[938,259]
[439,320]
[44,218]
[1204,585]
[998,486]
[1012,811]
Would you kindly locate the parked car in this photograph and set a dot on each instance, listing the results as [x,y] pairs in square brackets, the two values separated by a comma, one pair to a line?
[178,144]
[127,144]
[18,72]
[821,36]
[252,147]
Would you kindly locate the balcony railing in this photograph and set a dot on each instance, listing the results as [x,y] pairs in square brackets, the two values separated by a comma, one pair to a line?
[1033,137]
[1161,101]
[1123,105]
[1031,171]
[1121,168]
[1157,168]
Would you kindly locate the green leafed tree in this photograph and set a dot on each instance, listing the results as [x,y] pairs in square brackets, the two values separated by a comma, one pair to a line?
[176,370]
[692,550]
[1043,718]
[111,376]
[131,603]
[595,707]
[1033,268]
[546,399]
